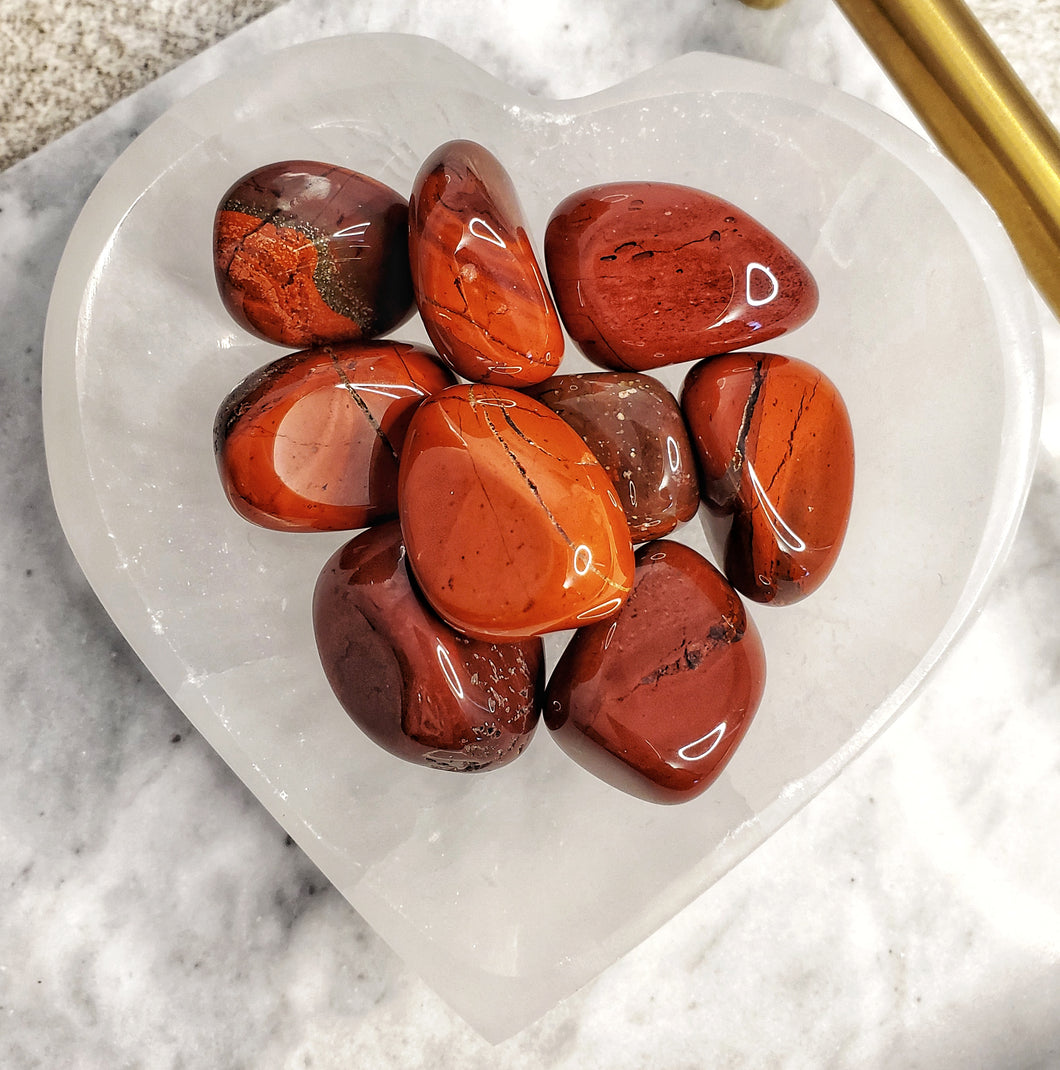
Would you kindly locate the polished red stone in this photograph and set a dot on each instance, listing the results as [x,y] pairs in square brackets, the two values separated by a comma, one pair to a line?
[512,526]
[656,700]
[480,291]
[410,682]
[776,456]
[647,274]
[311,441]
[308,254]
[634,426]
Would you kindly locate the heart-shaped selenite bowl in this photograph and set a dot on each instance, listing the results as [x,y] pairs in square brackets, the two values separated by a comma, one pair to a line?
[508,890]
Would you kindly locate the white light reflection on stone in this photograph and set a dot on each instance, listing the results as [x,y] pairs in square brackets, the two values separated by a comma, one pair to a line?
[449,672]
[497,403]
[700,748]
[601,610]
[583,559]
[356,232]
[673,453]
[786,538]
[774,287]
[481,229]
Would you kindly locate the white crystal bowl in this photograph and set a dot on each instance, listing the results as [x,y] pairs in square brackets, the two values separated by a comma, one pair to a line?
[508,890]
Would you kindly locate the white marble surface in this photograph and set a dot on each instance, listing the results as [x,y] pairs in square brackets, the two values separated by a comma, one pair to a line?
[151,913]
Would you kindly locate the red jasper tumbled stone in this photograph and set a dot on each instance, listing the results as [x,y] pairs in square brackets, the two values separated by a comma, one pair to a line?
[634,427]
[776,456]
[307,253]
[513,527]
[647,274]
[410,682]
[311,441]
[480,291]
[656,700]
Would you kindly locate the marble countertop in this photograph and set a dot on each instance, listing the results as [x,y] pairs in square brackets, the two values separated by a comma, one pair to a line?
[152,914]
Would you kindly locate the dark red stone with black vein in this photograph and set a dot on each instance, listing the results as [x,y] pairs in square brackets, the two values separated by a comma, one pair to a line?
[656,700]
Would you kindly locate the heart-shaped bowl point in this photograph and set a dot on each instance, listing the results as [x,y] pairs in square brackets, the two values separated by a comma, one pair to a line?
[508,890]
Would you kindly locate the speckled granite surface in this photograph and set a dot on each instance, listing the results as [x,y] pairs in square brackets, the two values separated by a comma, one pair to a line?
[66,60]
[153,915]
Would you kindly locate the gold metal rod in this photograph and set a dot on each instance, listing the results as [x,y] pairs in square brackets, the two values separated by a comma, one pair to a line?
[979,113]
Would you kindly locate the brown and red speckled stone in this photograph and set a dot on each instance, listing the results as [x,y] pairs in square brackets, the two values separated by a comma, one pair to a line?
[308,254]
[776,457]
[410,682]
[656,700]
[646,274]
[311,441]
[480,291]
[634,427]
[512,526]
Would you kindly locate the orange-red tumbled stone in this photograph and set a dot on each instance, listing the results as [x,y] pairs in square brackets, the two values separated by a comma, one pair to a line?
[647,274]
[656,700]
[481,294]
[512,526]
[776,456]
[311,441]
[308,254]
